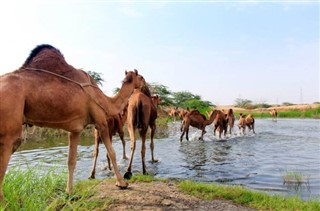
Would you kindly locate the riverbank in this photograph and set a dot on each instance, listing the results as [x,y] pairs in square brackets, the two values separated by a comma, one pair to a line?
[32,190]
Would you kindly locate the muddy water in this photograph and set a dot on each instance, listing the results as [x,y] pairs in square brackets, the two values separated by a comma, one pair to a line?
[258,161]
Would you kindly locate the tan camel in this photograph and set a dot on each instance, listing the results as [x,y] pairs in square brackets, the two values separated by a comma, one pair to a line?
[220,123]
[230,120]
[48,92]
[115,125]
[246,121]
[197,120]
[174,113]
[274,114]
[142,113]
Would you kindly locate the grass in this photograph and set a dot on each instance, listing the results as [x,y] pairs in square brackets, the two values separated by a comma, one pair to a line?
[309,113]
[31,190]
[246,197]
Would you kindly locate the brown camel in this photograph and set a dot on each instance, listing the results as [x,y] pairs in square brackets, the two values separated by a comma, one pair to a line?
[246,121]
[220,123]
[230,120]
[142,112]
[174,113]
[197,120]
[115,125]
[48,92]
[274,114]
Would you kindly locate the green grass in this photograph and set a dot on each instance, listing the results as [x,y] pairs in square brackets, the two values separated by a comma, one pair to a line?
[309,113]
[31,190]
[246,197]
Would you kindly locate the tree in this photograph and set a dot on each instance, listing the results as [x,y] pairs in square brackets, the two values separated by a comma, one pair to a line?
[242,103]
[96,76]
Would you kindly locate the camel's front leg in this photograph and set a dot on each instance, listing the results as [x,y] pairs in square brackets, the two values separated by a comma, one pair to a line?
[104,134]
[72,158]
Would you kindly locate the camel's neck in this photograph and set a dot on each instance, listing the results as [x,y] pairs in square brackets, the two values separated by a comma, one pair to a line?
[117,103]
[211,117]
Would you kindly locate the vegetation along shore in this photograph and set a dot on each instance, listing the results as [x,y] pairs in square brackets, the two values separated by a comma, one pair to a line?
[31,190]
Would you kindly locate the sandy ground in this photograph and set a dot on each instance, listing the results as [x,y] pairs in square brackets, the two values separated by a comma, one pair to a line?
[158,196]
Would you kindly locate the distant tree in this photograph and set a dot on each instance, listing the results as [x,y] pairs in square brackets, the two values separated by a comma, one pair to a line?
[243,103]
[179,98]
[287,104]
[96,76]
[163,91]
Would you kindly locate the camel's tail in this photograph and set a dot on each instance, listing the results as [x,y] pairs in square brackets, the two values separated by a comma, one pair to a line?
[140,116]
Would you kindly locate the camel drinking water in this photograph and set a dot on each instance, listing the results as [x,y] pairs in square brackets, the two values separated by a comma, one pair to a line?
[142,113]
[48,92]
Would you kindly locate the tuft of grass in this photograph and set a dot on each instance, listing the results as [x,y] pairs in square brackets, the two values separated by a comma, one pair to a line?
[246,197]
[31,190]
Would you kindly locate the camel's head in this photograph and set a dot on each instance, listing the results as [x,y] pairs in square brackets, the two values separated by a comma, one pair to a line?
[134,78]
[156,99]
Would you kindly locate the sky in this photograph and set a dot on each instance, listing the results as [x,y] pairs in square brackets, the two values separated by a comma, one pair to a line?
[263,51]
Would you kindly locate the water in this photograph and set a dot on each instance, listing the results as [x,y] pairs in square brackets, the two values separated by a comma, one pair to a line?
[257,161]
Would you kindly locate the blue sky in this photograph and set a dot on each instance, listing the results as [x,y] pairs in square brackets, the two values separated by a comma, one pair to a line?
[263,51]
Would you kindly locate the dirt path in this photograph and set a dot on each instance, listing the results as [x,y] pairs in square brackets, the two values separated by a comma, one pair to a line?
[158,196]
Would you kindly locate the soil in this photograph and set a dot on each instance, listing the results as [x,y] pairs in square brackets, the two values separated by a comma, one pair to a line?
[158,196]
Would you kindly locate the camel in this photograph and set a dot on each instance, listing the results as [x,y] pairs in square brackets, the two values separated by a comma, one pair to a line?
[174,113]
[142,113]
[246,121]
[197,120]
[48,92]
[183,113]
[230,120]
[220,123]
[115,125]
[274,114]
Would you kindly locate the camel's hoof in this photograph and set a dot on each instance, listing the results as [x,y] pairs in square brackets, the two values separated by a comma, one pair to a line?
[127,175]
[92,177]
[123,186]
[155,161]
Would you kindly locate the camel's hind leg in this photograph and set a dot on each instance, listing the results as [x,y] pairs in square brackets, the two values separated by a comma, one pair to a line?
[153,129]
[143,135]
[121,135]
[95,155]
[128,174]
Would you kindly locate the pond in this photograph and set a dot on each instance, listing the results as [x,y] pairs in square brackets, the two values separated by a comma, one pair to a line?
[283,157]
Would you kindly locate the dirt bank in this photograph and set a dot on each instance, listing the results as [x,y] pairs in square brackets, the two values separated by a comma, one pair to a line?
[158,196]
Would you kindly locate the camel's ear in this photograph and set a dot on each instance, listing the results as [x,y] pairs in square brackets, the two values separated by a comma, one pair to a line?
[126,72]
[136,71]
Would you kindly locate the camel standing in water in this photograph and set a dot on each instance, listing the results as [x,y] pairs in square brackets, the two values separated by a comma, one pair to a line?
[48,92]
[115,125]
[230,120]
[220,123]
[174,113]
[142,113]
[246,121]
[197,120]
[274,114]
